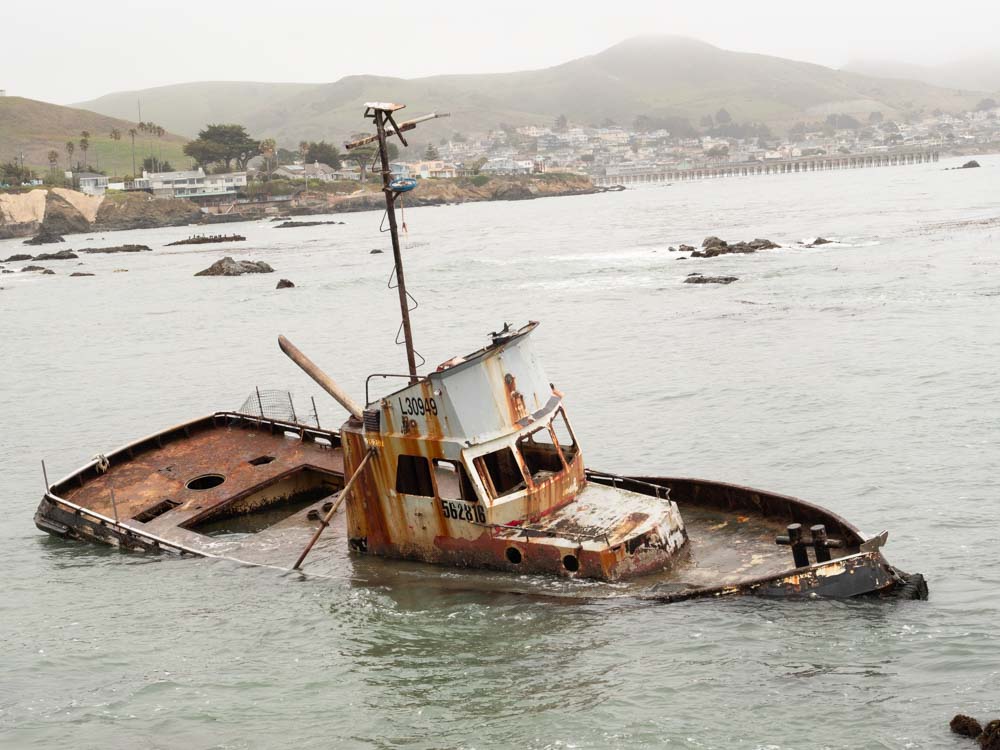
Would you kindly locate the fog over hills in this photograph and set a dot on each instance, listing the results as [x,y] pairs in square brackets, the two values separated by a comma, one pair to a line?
[655,76]
[977,74]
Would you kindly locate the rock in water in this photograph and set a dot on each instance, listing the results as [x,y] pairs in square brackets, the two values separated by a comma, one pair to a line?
[697,278]
[713,242]
[61,255]
[966,726]
[119,249]
[376,251]
[285,284]
[970,164]
[44,237]
[819,241]
[229,267]
[48,271]
[990,738]
[17,258]
[32,268]
[80,273]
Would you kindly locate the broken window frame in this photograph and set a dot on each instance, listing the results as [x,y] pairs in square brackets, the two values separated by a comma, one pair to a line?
[466,488]
[431,484]
[482,470]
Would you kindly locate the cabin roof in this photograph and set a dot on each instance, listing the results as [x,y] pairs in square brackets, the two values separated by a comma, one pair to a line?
[493,391]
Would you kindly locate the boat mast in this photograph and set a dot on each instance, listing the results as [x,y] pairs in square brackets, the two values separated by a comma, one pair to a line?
[381,113]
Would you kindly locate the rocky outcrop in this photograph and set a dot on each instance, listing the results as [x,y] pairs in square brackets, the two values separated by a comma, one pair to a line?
[142,211]
[33,268]
[293,224]
[79,273]
[61,255]
[45,236]
[208,239]
[970,164]
[61,217]
[713,246]
[229,267]
[285,284]
[697,278]
[119,249]
[17,258]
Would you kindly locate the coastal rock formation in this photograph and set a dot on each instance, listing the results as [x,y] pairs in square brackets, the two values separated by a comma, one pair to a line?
[229,267]
[44,237]
[210,239]
[819,241]
[713,246]
[61,216]
[141,211]
[118,249]
[48,271]
[17,258]
[292,224]
[285,284]
[376,251]
[61,255]
[32,268]
[697,278]
[966,726]
[80,273]
[970,165]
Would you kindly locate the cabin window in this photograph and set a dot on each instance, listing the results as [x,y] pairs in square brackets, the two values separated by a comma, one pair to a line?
[501,471]
[563,433]
[541,454]
[453,481]
[413,476]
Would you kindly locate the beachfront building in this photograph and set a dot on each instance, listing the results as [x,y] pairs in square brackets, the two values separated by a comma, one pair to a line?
[314,171]
[191,184]
[91,183]
[430,170]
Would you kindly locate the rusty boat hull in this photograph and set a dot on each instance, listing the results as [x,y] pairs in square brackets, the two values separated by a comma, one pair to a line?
[158,494]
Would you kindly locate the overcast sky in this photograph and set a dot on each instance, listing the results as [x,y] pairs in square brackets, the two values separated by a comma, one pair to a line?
[67,51]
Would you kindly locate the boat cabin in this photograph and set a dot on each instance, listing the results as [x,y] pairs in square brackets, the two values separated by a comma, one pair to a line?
[476,464]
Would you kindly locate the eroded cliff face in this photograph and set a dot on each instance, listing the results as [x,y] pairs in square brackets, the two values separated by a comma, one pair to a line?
[141,211]
[21,214]
[63,211]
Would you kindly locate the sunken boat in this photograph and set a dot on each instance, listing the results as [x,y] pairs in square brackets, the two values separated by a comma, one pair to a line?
[474,464]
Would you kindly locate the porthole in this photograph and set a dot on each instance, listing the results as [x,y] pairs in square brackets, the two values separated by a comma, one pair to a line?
[206,482]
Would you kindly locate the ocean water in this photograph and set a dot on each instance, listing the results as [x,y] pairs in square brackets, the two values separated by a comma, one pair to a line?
[862,375]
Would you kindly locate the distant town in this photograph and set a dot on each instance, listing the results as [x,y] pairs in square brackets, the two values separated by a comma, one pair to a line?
[226,164]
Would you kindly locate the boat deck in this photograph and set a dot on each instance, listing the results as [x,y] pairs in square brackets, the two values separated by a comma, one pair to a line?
[161,485]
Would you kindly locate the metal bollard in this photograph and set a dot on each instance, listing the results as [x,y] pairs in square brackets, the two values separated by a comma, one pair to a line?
[794,540]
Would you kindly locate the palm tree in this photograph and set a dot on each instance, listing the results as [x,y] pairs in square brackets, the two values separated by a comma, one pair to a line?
[70,148]
[53,160]
[116,135]
[84,145]
[132,133]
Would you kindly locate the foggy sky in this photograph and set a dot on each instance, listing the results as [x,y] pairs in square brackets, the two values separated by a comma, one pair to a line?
[67,51]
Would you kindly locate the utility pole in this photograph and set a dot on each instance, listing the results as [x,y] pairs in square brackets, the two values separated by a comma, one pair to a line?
[382,114]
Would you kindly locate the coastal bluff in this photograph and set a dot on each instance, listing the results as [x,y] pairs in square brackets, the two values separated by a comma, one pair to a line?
[62,211]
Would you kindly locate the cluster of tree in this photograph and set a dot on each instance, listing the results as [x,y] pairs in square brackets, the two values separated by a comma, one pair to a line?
[678,127]
[223,145]
[986,104]
[320,151]
[15,173]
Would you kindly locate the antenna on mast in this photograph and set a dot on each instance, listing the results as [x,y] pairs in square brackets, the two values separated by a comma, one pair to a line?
[385,127]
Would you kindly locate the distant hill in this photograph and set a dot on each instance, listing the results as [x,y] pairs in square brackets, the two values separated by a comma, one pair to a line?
[187,107]
[34,128]
[656,76]
[978,74]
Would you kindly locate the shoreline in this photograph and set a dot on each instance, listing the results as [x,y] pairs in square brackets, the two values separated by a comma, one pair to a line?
[65,212]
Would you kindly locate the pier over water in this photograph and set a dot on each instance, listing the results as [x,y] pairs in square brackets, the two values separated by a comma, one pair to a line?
[819,163]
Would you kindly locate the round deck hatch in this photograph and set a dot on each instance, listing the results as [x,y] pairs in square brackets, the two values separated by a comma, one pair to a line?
[206,482]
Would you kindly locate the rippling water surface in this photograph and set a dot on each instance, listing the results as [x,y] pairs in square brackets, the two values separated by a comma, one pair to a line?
[862,375]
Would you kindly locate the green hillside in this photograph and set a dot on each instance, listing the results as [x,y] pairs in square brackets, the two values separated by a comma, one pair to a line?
[186,108]
[34,128]
[658,76]
[976,74]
